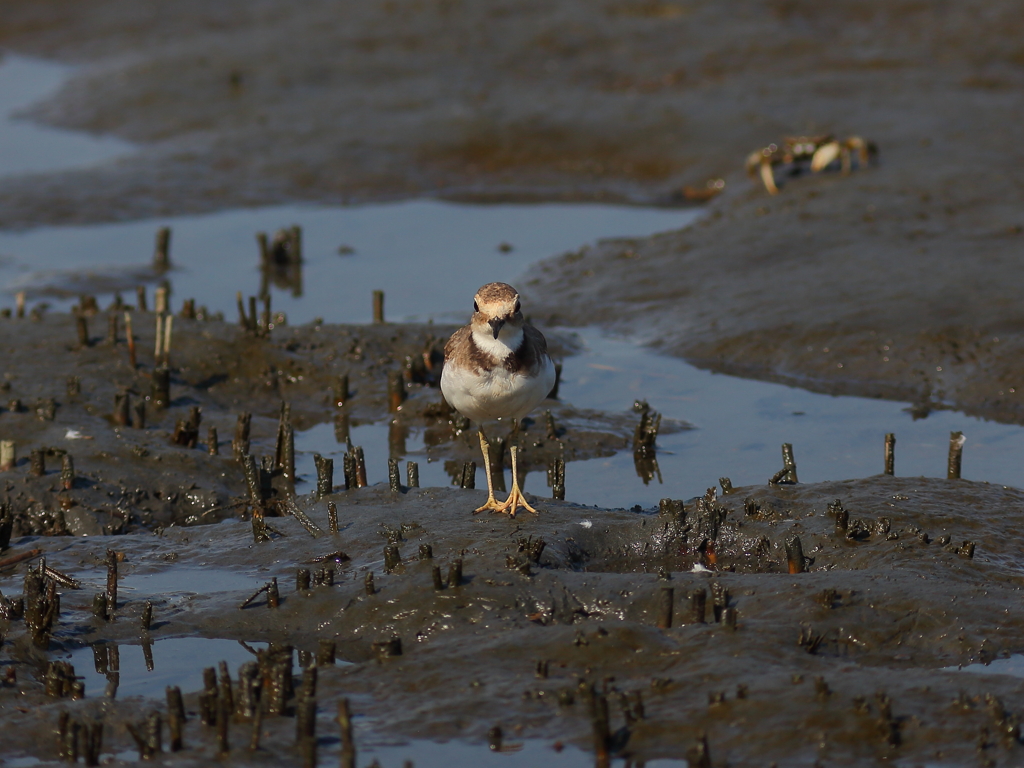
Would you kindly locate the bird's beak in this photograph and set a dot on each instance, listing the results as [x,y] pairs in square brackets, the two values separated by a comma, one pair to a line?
[496,325]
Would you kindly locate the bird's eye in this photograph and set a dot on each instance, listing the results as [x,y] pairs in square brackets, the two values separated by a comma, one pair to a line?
[476,307]
[517,306]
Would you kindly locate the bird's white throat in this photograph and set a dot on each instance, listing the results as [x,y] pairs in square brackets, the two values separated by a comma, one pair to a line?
[508,341]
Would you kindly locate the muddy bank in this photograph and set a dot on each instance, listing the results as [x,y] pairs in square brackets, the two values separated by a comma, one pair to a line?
[143,457]
[627,100]
[895,281]
[777,288]
[846,661]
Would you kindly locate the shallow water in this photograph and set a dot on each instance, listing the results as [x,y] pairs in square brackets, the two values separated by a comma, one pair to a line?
[175,661]
[428,256]
[1012,666]
[429,754]
[740,427]
[28,147]
[517,754]
[181,582]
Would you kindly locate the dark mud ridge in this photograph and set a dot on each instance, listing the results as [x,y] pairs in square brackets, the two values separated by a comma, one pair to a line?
[791,623]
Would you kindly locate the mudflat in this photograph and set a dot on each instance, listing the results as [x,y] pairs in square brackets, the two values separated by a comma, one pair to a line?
[903,272]
[896,280]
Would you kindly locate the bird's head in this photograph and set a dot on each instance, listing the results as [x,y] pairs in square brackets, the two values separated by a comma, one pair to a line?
[496,306]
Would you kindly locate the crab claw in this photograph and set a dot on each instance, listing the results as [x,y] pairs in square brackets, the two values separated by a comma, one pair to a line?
[768,176]
[754,162]
[824,155]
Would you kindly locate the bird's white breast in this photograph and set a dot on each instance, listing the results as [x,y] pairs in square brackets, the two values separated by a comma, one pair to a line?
[496,392]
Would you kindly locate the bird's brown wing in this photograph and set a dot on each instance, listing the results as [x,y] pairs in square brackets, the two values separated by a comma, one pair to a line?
[458,338]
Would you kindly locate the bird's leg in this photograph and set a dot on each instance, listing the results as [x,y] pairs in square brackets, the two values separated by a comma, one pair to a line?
[485,448]
[516,498]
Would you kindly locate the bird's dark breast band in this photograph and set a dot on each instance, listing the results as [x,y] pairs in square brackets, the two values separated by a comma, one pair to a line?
[525,360]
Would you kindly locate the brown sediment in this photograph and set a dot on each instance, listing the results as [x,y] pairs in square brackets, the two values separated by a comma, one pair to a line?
[897,280]
[594,594]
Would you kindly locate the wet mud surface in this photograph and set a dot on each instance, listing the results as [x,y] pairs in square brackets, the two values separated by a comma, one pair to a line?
[845,662]
[61,398]
[624,101]
[793,623]
[896,281]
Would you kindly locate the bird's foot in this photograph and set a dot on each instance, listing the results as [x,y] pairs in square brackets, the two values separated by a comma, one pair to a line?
[491,504]
[515,500]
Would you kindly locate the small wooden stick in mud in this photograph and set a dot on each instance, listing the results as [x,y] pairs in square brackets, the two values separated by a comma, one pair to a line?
[795,555]
[956,455]
[160,300]
[8,455]
[112,329]
[166,356]
[348,745]
[378,307]
[15,559]
[314,530]
[131,340]
[111,583]
[82,328]
[162,252]
[665,600]
[158,344]
[249,600]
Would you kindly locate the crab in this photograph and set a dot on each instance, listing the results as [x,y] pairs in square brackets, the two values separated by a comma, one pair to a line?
[813,153]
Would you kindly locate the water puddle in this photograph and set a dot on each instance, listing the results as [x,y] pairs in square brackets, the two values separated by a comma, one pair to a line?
[174,585]
[28,147]
[146,671]
[1012,666]
[428,256]
[189,581]
[742,423]
[420,753]
[740,427]
[21,762]
[513,754]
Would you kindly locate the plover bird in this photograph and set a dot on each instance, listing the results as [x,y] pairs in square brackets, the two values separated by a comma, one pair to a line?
[497,368]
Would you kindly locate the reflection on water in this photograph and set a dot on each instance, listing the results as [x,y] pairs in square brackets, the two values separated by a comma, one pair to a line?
[645,455]
[741,426]
[281,261]
[514,753]
[147,669]
[427,256]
